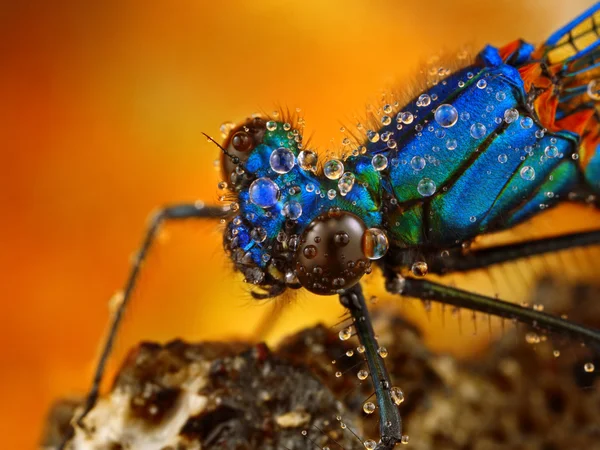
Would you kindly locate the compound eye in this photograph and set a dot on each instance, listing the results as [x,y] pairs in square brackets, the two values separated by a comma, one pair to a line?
[335,252]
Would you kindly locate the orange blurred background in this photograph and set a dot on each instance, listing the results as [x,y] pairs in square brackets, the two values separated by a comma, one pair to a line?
[102,107]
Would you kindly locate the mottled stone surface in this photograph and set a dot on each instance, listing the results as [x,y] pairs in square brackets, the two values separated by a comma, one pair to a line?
[517,395]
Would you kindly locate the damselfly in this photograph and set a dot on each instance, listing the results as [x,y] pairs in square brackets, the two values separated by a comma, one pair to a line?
[482,148]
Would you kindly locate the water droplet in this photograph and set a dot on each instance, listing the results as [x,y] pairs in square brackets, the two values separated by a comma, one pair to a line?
[282,160]
[502,158]
[556,353]
[386,120]
[330,194]
[478,130]
[341,239]
[292,210]
[500,96]
[307,160]
[451,144]
[526,122]
[373,136]
[588,367]
[350,353]
[532,338]
[310,251]
[417,163]
[465,116]
[551,151]
[379,162]
[374,243]
[510,115]
[404,439]
[424,100]
[387,108]
[382,351]
[258,234]
[264,192]
[346,183]
[333,169]
[446,115]
[345,334]
[271,125]
[362,374]
[426,187]
[482,84]
[405,117]
[397,395]
[310,187]
[419,268]
[593,89]
[360,349]
[338,374]
[370,444]
[528,173]
[369,408]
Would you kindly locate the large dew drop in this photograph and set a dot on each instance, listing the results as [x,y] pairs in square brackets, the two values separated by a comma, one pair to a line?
[374,243]
[528,173]
[369,407]
[405,117]
[478,130]
[346,183]
[333,169]
[282,160]
[426,187]
[423,100]
[362,374]
[264,192]
[446,115]
[510,115]
[551,151]
[292,210]
[370,444]
[373,136]
[397,395]
[307,160]
[379,162]
[417,163]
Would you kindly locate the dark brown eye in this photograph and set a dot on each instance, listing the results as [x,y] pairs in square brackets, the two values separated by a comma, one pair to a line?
[331,255]
[241,141]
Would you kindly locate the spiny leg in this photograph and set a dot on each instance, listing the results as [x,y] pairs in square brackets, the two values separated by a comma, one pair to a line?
[485,257]
[390,427]
[428,290]
[174,212]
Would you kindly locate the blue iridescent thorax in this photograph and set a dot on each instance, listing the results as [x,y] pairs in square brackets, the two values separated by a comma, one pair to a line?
[469,156]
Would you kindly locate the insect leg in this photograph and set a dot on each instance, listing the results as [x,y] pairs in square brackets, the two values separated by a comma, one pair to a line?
[390,426]
[174,212]
[428,290]
[476,259]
